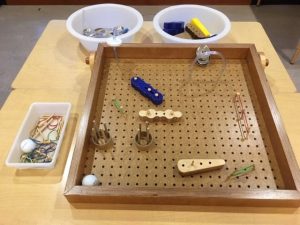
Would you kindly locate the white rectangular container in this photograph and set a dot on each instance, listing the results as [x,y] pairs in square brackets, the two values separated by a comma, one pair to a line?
[37,110]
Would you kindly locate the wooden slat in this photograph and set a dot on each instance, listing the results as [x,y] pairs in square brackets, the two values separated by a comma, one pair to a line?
[85,123]
[170,51]
[280,141]
[186,196]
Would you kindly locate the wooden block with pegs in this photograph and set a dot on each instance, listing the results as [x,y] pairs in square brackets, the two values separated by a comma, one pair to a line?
[191,166]
[152,115]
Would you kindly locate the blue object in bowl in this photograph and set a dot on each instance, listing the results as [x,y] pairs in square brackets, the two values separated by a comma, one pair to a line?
[174,28]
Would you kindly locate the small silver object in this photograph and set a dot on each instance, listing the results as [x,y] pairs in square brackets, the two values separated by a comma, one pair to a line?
[104,32]
[88,32]
[118,30]
[203,55]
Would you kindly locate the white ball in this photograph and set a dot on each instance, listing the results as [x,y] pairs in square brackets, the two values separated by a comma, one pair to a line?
[90,180]
[27,145]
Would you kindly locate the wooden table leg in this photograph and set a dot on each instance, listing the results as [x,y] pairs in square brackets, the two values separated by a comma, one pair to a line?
[296,54]
[258,2]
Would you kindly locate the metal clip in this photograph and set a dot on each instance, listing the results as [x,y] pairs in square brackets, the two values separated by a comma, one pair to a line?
[203,55]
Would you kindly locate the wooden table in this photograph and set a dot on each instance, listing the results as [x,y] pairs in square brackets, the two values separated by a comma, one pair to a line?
[55,71]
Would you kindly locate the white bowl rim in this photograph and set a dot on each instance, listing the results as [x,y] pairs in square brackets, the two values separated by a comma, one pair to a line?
[191,41]
[97,40]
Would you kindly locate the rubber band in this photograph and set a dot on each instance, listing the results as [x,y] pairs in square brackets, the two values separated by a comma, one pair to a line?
[202,58]
[45,135]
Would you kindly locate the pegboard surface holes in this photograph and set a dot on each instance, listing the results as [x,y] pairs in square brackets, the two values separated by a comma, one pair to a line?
[209,127]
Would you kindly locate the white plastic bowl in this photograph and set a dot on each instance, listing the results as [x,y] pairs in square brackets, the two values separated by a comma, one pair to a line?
[215,21]
[106,16]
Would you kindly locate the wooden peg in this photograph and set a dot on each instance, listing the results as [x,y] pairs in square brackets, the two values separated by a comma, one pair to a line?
[191,166]
[264,60]
[296,54]
[139,134]
[147,132]
[90,60]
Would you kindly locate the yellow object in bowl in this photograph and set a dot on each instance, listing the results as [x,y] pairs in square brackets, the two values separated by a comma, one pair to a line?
[199,28]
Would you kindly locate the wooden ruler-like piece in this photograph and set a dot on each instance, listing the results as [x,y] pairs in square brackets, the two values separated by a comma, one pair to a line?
[191,166]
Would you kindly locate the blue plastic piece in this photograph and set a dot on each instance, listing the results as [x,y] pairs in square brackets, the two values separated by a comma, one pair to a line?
[174,25]
[173,31]
[174,28]
[147,90]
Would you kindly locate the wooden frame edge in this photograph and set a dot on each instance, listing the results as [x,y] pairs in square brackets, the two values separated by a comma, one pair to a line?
[83,127]
[261,198]
[284,197]
[278,122]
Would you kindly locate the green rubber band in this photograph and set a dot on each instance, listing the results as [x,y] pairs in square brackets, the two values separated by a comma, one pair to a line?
[118,105]
[242,171]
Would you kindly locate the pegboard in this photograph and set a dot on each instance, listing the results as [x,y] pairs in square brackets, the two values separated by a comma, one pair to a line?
[208,129]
